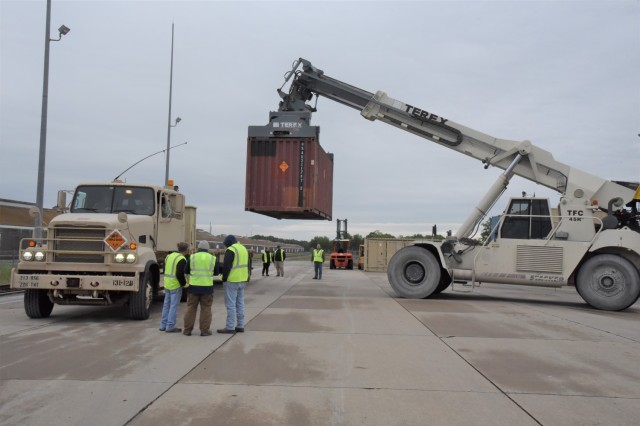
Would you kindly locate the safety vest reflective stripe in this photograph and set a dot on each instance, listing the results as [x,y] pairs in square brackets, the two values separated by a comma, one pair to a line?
[240,269]
[202,265]
[170,265]
[318,255]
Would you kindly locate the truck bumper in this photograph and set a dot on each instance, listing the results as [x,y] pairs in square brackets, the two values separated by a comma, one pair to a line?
[75,282]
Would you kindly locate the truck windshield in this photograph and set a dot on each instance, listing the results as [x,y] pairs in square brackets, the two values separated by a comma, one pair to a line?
[113,199]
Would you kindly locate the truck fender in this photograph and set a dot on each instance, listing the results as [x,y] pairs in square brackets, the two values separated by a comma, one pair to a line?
[617,241]
[436,250]
[152,267]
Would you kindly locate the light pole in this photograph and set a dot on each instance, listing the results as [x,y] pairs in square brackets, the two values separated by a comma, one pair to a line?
[63,30]
[178,119]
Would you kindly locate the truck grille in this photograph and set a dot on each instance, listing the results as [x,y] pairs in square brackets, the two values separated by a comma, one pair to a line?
[79,245]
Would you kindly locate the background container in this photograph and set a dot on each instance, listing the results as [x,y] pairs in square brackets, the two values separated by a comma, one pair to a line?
[289,178]
[379,251]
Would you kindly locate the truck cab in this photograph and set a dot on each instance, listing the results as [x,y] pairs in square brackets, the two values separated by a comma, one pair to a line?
[107,248]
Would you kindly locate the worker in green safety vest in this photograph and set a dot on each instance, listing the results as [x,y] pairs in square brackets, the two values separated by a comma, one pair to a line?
[174,279]
[202,268]
[236,270]
[317,258]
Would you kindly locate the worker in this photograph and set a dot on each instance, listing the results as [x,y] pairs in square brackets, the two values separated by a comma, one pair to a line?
[235,274]
[267,258]
[279,256]
[174,279]
[201,269]
[318,259]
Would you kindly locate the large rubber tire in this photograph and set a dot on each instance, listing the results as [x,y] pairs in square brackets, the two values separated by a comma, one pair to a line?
[350,265]
[37,304]
[444,284]
[332,264]
[414,273]
[608,282]
[140,301]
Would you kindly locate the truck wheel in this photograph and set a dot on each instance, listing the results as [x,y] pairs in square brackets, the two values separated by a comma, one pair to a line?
[414,273]
[140,301]
[37,304]
[608,282]
[332,264]
[350,264]
[444,284]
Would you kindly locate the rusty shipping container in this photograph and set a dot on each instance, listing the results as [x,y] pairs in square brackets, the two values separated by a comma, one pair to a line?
[289,175]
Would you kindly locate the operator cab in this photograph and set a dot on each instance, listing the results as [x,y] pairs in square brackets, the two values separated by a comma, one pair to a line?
[527,219]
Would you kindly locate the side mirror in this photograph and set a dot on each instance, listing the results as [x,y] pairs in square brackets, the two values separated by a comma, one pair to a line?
[62,201]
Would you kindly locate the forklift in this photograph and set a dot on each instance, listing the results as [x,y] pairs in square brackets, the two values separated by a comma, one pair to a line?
[341,256]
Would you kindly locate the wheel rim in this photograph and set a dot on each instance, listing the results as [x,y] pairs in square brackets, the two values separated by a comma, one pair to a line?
[608,282]
[414,273]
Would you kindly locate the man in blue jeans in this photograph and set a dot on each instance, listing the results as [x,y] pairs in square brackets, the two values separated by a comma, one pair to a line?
[174,280]
[235,274]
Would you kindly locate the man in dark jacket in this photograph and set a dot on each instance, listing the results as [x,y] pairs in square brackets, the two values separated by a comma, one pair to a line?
[279,256]
[201,268]
[235,274]
[267,258]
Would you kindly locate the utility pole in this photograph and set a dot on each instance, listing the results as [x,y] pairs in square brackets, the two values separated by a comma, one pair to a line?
[178,119]
[63,30]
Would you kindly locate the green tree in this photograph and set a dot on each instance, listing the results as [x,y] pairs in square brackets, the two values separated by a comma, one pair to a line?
[486,230]
[356,241]
[379,234]
[324,242]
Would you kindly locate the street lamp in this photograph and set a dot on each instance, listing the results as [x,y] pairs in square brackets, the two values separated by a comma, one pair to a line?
[63,30]
[178,119]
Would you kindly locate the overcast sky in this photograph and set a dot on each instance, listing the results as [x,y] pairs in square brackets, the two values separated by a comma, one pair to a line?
[562,74]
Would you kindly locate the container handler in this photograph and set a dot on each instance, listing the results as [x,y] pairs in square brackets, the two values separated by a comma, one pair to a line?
[108,249]
[593,242]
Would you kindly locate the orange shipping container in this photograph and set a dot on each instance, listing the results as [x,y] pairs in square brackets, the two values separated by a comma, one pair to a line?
[289,175]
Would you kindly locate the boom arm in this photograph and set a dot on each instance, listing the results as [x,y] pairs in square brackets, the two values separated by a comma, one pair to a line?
[538,165]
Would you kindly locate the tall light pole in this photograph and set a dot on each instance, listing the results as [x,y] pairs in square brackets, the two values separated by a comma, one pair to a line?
[63,30]
[178,119]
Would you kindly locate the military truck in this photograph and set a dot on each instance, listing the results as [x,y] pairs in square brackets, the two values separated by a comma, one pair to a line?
[108,248]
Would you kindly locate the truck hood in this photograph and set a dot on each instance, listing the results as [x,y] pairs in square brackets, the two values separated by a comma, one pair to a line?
[108,220]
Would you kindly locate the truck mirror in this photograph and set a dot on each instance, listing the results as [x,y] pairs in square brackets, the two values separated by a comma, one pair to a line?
[62,200]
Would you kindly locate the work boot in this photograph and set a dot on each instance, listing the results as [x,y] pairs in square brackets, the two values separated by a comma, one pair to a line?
[226,331]
[239,329]
[186,333]
[206,333]
[174,330]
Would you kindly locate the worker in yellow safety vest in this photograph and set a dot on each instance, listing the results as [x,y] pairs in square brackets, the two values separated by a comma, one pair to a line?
[174,279]
[318,260]
[236,271]
[202,268]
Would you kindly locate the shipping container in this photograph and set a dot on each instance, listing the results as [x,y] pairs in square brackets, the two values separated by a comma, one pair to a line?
[379,251]
[289,175]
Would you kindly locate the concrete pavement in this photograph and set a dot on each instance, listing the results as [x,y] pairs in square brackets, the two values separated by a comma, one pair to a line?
[341,351]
